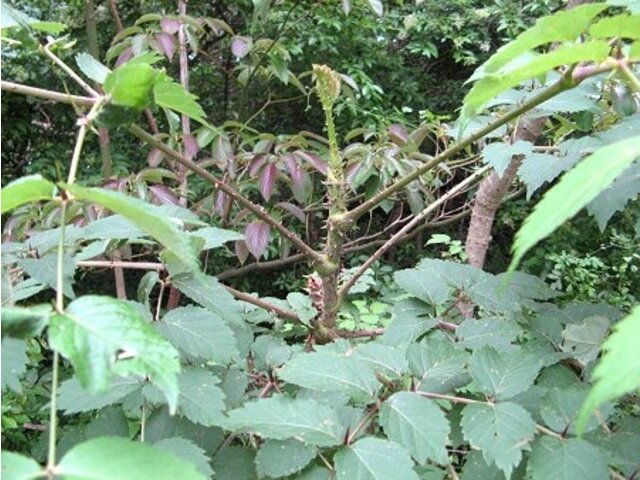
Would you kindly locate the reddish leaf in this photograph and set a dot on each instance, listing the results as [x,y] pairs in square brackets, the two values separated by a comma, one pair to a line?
[167,44]
[314,160]
[124,57]
[398,134]
[222,151]
[191,148]
[154,158]
[268,178]
[257,236]
[300,181]
[256,164]
[352,171]
[221,203]
[242,252]
[170,25]
[292,209]
[240,46]
[163,195]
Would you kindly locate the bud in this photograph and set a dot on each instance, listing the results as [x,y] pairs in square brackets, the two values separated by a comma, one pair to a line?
[327,84]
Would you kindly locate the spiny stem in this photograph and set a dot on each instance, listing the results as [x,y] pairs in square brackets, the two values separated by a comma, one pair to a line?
[47,94]
[629,75]
[69,71]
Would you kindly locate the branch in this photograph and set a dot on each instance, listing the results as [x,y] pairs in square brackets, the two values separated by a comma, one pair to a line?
[75,100]
[69,71]
[259,211]
[259,266]
[281,312]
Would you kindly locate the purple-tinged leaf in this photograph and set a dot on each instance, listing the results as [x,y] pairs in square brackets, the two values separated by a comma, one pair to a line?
[240,46]
[257,236]
[222,151]
[300,180]
[155,157]
[191,148]
[294,210]
[218,26]
[351,172]
[419,134]
[240,216]
[118,184]
[163,195]
[314,160]
[242,252]
[170,25]
[167,44]
[268,178]
[124,57]
[398,134]
[221,203]
[256,164]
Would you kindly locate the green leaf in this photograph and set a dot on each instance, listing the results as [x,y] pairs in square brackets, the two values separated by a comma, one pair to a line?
[302,305]
[500,430]
[24,322]
[199,333]
[566,459]
[113,227]
[270,352]
[374,459]
[327,371]
[92,68]
[104,337]
[438,365]
[26,190]
[559,409]
[583,339]
[200,398]
[476,467]
[279,458]
[234,463]
[495,332]
[215,237]
[112,457]
[74,398]
[14,363]
[384,358]
[161,424]
[209,293]
[281,418]
[187,451]
[112,422]
[145,216]
[131,85]
[619,26]
[45,271]
[618,372]
[498,154]
[616,196]
[412,318]
[15,18]
[428,288]
[417,424]
[172,95]
[19,467]
[503,374]
[575,189]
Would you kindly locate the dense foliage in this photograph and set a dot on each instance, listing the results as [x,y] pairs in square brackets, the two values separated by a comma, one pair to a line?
[233,243]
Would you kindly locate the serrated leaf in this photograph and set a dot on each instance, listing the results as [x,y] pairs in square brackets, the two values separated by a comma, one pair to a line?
[131,85]
[19,467]
[500,430]
[618,372]
[24,322]
[12,17]
[302,305]
[172,95]
[616,196]
[25,190]
[528,286]
[559,409]
[215,237]
[583,340]
[257,236]
[503,374]
[161,425]
[428,288]
[199,333]
[45,271]
[14,363]
[618,26]
[188,451]
[576,188]
[208,292]
[268,177]
[234,463]
[281,418]
[146,216]
[498,154]
[495,332]
[104,337]
[92,68]
[370,459]
[73,398]
[113,457]
[112,422]
[476,467]
[438,365]
[384,358]
[326,371]
[279,458]
[270,352]
[566,459]
[412,318]
[417,424]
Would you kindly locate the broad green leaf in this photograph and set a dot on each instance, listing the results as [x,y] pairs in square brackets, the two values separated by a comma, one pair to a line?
[234,463]
[384,358]
[112,457]
[618,26]
[74,398]
[15,18]
[494,332]
[583,340]
[575,189]
[209,293]
[187,451]
[618,371]
[282,418]
[92,68]
[113,227]
[131,85]
[566,459]
[215,237]
[303,306]
[172,95]
[199,333]
[327,371]
[417,424]
[26,190]
[24,322]
[373,459]
[503,374]
[145,216]
[14,363]
[112,422]
[438,365]
[428,288]
[488,294]
[104,337]
[500,430]
[528,286]
[616,196]
[490,86]
[498,154]
[562,26]
[200,399]
[559,409]
[45,271]
[270,352]
[162,425]
[412,318]
[476,467]
[19,467]
[279,458]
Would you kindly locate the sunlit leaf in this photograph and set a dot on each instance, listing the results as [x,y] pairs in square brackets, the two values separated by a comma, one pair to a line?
[26,190]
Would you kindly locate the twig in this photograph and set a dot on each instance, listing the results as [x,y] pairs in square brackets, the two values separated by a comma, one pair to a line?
[281,312]
[69,71]
[362,423]
[360,333]
[47,94]
[449,398]
[452,472]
